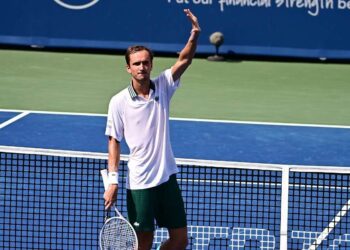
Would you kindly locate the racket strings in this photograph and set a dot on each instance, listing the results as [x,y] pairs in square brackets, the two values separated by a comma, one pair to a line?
[117,234]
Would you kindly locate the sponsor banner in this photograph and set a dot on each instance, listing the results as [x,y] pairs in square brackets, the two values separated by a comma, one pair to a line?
[298,28]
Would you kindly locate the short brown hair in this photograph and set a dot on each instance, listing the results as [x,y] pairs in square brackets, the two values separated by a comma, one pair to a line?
[134,49]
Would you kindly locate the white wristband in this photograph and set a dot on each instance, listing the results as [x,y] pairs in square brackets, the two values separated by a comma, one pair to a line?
[113,177]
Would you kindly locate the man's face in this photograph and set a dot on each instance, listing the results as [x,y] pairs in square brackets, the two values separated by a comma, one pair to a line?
[140,66]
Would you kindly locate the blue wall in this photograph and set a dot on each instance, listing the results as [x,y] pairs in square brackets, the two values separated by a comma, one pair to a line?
[297,28]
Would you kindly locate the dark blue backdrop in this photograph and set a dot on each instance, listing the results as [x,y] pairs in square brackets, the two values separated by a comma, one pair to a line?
[305,28]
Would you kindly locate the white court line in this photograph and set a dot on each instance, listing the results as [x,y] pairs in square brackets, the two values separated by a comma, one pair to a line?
[265,184]
[51,112]
[263,123]
[13,119]
[192,119]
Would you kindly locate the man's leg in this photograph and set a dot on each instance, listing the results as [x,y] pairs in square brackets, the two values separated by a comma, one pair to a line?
[177,239]
[171,215]
[141,215]
[145,240]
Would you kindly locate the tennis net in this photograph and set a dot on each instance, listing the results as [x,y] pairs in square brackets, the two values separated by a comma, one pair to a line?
[54,200]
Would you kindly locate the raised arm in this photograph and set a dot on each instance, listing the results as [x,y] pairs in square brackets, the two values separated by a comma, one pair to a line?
[187,53]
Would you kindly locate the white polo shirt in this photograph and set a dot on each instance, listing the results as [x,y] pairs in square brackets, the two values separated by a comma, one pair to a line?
[145,126]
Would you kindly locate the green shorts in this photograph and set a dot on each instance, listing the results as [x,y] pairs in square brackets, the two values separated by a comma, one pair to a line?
[162,204]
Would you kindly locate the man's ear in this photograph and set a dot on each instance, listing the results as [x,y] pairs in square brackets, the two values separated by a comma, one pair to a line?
[128,68]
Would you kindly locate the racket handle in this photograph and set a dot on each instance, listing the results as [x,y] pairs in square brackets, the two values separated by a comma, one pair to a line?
[117,211]
[107,212]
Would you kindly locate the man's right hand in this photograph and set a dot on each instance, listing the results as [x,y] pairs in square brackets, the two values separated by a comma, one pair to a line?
[110,195]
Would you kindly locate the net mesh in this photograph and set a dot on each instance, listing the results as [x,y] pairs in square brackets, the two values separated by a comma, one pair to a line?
[56,202]
[315,200]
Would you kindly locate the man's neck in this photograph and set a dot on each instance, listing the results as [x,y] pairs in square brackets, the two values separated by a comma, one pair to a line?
[142,88]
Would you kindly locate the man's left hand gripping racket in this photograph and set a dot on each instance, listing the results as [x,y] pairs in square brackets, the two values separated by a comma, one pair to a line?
[116,233]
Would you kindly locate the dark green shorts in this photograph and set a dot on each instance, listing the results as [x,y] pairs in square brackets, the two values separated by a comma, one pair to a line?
[162,204]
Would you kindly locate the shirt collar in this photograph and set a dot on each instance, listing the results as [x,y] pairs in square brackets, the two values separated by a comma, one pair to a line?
[133,93]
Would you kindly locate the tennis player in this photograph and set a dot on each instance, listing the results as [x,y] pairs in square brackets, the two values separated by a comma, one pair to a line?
[140,114]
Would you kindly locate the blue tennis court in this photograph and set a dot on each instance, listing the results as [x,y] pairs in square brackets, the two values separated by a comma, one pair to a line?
[235,191]
[191,139]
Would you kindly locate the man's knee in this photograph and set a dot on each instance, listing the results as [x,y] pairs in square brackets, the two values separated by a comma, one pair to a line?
[174,244]
[145,240]
[181,243]
[178,238]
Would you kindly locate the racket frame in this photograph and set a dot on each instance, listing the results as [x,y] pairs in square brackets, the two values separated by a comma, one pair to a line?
[119,216]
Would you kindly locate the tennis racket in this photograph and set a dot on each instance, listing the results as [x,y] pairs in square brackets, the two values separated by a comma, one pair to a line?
[116,233]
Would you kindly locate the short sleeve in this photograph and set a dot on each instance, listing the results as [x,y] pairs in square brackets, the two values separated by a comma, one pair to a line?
[115,125]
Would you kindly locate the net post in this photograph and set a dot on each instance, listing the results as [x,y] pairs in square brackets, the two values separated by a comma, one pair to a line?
[284,208]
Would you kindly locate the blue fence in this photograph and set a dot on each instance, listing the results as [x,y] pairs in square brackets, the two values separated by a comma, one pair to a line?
[297,28]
